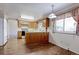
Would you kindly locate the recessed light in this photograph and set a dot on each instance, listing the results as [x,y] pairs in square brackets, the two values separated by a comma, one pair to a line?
[27,17]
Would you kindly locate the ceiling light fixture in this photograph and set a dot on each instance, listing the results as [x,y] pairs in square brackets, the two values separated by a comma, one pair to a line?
[52,15]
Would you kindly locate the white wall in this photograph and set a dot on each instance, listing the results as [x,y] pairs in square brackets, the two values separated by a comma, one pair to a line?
[12,28]
[5,30]
[1,31]
[66,41]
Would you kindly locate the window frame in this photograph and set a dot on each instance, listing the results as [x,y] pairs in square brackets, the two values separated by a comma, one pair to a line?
[64,32]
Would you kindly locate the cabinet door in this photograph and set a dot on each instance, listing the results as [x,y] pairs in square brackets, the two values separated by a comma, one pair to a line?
[41,37]
[33,38]
[47,37]
[27,38]
[19,34]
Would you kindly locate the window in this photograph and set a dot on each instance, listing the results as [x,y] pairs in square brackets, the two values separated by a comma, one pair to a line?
[67,25]
[59,25]
[70,25]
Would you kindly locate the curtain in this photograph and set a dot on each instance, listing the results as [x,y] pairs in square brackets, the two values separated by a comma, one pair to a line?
[77,30]
[75,15]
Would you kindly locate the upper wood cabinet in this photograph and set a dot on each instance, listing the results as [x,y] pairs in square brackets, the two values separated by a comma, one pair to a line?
[33,24]
[29,24]
[46,22]
[22,23]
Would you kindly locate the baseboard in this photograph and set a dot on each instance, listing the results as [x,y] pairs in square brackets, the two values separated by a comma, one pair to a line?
[64,48]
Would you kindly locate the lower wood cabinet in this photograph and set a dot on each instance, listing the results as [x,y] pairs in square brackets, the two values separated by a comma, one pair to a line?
[19,34]
[37,37]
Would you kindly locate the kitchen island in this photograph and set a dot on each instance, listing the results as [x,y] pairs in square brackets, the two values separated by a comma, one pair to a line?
[36,37]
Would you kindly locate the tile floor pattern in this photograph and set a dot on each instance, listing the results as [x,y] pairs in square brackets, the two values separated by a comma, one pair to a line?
[18,47]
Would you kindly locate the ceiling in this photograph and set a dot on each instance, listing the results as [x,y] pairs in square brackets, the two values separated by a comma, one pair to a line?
[37,10]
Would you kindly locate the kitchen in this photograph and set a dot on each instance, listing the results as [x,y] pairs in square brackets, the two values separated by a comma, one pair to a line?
[36,29]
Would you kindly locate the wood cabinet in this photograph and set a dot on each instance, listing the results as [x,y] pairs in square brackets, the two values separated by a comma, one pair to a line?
[33,25]
[19,34]
[22,23]
[46,22]
[30,24]
[37,37]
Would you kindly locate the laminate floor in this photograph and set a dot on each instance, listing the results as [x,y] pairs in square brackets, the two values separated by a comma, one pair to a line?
[18,47]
